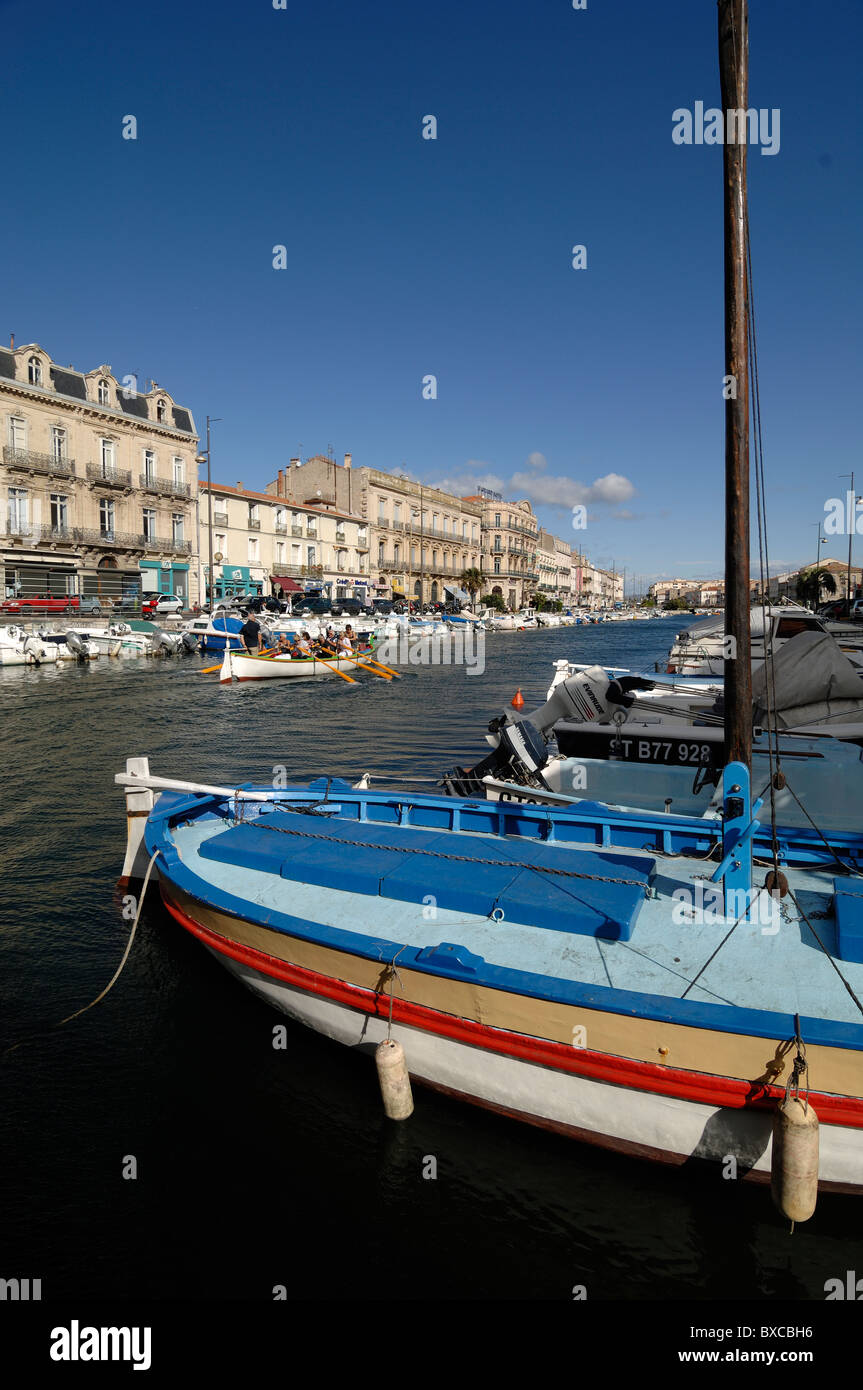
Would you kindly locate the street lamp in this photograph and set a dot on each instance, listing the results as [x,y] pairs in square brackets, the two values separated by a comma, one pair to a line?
[822,540]
[205,454]
[851,528]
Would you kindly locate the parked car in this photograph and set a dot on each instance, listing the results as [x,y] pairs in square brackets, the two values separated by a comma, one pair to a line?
[163,604]
[318,606]
[347,608]
[42,603]
[130,604]
[842,610]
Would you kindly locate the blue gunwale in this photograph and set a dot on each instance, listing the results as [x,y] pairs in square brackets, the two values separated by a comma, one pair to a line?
[174,809]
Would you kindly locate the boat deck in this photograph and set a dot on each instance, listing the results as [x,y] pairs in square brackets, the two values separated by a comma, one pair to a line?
[545,919]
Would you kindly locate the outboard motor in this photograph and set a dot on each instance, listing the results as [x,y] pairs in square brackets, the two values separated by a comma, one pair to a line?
[521,741]
[76,644]
[166,642]
[190,642]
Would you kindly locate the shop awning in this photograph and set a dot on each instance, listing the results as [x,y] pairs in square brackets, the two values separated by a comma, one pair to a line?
[460,594]
[289,586]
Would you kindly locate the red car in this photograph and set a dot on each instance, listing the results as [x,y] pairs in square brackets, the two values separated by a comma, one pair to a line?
[57,603]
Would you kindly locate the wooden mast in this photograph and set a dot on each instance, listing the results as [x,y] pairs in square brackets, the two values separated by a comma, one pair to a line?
[734,81]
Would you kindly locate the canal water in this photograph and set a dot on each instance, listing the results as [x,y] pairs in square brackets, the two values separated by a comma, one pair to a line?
[255,1167]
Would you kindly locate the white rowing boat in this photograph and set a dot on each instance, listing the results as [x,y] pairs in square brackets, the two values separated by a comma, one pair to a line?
[241,666]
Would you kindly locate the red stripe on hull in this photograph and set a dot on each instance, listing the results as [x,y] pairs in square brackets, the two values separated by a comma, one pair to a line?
[700,1087]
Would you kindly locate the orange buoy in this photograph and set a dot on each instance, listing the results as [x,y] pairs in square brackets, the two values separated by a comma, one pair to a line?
[517,701]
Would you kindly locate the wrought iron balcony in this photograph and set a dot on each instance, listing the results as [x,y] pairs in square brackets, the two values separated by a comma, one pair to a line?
[220,518]
[312,533]
[299,571]
[63,535]
[165,487]
[281,528]
[341,536]
[254,524]
[28,461]
[108,475]
[125,540]
[296,530]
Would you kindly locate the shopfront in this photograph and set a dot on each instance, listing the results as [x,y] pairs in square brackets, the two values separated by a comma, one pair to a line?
[165,577]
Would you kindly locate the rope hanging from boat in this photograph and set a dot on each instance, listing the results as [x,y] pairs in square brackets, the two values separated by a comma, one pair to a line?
[113,980]
[458,858]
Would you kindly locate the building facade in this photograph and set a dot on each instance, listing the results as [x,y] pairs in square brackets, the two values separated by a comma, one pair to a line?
[421,540]
[263,544]
[510,534]
[99,482]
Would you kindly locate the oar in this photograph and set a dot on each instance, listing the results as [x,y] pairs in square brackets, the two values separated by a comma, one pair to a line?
[390,672]
[362,665]
[344,675]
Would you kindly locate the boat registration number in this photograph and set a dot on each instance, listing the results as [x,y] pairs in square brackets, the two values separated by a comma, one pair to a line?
[652,750]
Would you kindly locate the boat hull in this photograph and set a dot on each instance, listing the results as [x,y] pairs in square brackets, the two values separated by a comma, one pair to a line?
[673,1115]
[240,667]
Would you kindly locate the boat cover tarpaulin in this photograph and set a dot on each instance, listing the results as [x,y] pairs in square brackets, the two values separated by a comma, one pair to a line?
[813,680]
[541,885]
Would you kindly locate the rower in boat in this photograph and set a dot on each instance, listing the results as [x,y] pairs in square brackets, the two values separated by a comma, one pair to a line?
[303,645]
[347,641]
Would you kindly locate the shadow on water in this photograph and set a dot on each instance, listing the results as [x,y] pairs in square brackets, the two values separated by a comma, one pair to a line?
[257,1166]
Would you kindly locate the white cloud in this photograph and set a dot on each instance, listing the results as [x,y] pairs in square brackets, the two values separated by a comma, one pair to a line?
[539,487]
[550,491]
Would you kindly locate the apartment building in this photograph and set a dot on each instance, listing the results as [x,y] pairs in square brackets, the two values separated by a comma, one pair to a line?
[263,544]
[421,540]
[509,532]
[99,481]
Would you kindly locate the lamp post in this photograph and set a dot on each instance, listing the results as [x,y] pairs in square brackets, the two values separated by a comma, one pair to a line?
[200,459]
[853,520]
[822,540]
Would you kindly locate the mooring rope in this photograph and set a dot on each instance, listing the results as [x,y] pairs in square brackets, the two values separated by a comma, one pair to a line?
[114,978]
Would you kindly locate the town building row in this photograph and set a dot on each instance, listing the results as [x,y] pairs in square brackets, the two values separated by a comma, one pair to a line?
[103,498]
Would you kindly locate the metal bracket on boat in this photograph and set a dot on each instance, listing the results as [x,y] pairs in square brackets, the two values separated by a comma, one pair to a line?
[739,825]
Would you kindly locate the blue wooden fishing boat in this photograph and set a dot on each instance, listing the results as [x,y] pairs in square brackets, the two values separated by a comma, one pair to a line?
[565,967]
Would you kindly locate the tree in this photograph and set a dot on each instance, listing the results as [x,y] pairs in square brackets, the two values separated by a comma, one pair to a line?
[494,601]
[810,583]
[471,580]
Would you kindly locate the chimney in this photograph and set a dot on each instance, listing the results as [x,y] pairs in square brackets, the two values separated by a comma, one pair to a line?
[280,485]
[11,342]
[295,463]
[239,486]
[347,460]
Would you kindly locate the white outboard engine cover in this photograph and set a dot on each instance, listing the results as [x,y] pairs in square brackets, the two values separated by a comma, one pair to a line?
[581,698]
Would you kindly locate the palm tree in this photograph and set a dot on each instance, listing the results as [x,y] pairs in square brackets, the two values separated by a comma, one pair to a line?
[810,583]
[471,580]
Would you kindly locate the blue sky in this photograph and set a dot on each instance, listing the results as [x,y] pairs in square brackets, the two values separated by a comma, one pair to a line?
[408,257]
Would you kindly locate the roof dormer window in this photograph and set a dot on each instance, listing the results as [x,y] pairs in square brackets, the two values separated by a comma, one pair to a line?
[161,412]
[104,392]
[34,371]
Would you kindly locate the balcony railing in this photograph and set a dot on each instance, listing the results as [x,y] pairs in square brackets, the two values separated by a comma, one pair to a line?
[341,536]
[109,475]
[220,518]
[165,487]
[254,524]
[300,571]
[296,530]
[31,462]
[125,540]
[312,533]
[281,528]
[382,521]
